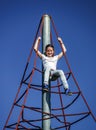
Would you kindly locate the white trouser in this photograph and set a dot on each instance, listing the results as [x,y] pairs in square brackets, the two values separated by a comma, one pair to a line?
[55,74]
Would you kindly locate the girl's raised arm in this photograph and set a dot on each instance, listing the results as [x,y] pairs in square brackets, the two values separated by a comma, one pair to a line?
[63,48]
[36,47]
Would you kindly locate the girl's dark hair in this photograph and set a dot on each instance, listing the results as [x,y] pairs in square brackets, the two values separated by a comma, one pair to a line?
[49,45]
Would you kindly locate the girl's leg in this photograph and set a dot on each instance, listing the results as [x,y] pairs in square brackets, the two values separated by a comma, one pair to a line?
[46,76]
[60,73]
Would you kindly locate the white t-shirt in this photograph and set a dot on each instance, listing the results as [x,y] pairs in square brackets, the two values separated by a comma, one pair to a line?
[50,62]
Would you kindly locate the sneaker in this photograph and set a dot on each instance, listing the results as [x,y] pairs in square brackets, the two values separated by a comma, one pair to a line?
[46,89]
[68,92]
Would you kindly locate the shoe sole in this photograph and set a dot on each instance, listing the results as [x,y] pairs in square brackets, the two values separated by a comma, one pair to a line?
[69,94]
[45,89]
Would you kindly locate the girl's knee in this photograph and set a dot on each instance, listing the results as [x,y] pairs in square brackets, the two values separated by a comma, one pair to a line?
[61,72]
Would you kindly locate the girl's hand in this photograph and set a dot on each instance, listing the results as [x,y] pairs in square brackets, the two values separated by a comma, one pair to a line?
[39,38]
[60,40]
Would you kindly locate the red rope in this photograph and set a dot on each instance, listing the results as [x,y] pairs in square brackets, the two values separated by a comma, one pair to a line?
[62,104]
[25,97]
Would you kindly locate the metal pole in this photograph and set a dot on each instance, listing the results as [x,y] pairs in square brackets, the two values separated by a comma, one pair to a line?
[46,95]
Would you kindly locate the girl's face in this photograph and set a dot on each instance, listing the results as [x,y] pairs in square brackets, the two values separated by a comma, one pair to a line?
[49,52]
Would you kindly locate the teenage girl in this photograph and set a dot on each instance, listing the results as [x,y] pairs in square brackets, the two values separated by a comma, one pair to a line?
[50,63]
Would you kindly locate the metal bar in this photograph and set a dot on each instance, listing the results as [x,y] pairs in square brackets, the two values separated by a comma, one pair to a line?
[45,95]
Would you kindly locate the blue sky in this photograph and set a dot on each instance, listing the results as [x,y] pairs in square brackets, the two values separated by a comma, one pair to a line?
[75,22]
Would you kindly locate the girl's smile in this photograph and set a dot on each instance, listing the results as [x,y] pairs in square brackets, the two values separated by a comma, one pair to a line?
[49,52]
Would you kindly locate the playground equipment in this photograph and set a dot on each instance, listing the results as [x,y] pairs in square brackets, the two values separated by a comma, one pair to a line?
[34,109]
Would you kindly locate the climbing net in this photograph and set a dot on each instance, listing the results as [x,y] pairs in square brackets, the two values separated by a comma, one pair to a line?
[26,112]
